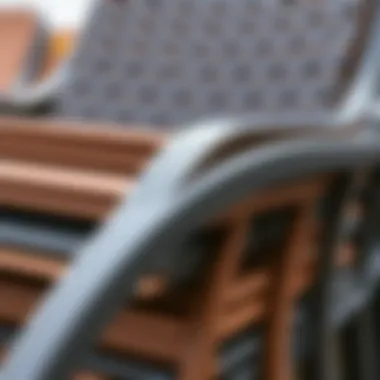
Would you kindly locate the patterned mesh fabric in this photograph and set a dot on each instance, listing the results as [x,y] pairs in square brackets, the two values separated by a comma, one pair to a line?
[163,62]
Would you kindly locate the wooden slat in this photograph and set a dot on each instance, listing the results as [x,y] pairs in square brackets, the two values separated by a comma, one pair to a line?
[246,286]
[69,193]
[28,265]
[74,132]
[70,169]
[119,162]
[60,179]
[245,316]
[61,204]
[159,337]
[106,136]
[105,147]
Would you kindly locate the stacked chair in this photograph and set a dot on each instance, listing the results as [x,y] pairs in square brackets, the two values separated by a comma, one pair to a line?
[226,249]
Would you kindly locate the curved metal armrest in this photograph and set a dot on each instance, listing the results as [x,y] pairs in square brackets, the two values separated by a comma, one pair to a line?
[25,98]
[212,141]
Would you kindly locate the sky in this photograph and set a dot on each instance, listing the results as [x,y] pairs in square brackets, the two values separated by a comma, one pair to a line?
[58,13]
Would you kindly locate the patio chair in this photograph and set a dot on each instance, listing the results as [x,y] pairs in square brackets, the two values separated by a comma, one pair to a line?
[228,300]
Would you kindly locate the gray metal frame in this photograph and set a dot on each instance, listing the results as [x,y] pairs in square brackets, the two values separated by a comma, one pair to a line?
[362,91]
[141,229]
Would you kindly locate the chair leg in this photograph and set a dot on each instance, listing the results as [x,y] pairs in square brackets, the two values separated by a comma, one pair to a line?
[279,358]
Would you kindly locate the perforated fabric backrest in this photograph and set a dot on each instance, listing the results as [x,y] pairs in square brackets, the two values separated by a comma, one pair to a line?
[164,62]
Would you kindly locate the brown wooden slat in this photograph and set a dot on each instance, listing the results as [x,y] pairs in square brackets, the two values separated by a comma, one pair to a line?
[72,132]
[246,286]
[160,338]
[93,158]
[61,179]
[114,149]
[245,316]
[68,134]
[38,201]
[70,193]
[30,265]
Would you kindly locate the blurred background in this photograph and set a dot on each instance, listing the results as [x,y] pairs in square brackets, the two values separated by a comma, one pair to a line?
[58,13]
